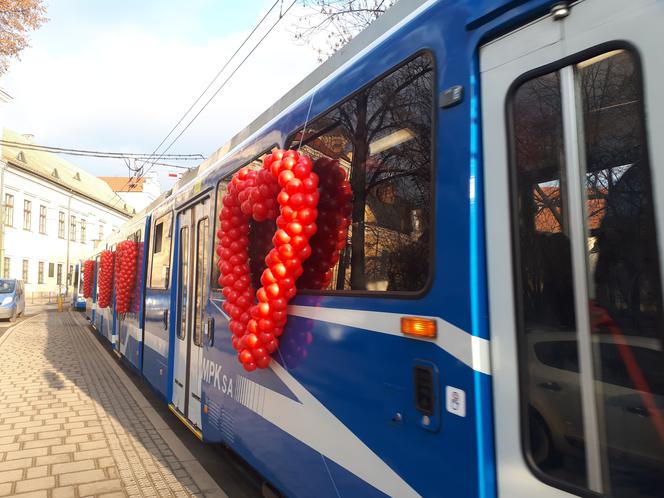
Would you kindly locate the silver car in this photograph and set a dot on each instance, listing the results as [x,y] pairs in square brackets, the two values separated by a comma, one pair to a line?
[12,299]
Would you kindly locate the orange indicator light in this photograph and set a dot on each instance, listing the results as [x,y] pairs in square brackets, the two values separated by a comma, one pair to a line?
[420,327]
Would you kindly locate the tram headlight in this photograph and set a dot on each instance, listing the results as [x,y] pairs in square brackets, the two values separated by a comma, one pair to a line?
[7,300]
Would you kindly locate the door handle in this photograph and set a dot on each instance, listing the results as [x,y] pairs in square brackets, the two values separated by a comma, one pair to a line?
[165,319]
[550,386]
[209,330]
[638,410]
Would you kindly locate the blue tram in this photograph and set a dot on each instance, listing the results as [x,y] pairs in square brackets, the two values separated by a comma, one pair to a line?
[494,323]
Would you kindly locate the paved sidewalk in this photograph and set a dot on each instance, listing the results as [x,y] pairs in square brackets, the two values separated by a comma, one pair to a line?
[72,424]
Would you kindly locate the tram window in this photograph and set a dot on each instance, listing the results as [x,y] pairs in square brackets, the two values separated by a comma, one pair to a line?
[624,288]
[548,322]
[183,294]
[382,137]
[201,279]
[257,262]
[161,252]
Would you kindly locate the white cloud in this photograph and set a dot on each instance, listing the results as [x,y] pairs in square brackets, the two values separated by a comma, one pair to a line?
[123,86]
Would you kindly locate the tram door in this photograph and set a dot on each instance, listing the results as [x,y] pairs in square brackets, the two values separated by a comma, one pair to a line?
[573,146]
[193,251]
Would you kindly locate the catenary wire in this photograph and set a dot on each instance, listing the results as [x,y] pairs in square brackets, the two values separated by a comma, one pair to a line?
[212,81]
[224,83]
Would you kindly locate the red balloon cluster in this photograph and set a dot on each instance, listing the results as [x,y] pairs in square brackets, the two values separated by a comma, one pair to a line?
[106,261]
[88,277]
[334,214]
[285,188]
[126,255]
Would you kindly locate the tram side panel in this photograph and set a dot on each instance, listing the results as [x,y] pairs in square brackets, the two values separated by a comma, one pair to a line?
[349,401]
[130,325]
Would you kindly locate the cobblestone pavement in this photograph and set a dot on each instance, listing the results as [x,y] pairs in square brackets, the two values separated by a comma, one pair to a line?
[73,425]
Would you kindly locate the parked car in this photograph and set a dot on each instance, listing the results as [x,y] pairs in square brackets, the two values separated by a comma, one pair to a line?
[12,298]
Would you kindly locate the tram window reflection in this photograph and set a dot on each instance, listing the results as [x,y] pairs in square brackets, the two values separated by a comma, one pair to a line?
[382,137]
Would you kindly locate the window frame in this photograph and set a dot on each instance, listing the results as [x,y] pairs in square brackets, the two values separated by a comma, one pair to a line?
[433,190]
[153,233]
[27,215]
[25,270]
[43,213]
[9,209]
[515,256]
[72,228]
[62,228]
[84,233]
[40,272]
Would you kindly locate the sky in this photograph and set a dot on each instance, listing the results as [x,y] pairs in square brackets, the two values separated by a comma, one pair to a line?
[116,75]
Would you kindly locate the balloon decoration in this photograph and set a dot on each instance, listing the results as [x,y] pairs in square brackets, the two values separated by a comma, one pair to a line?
[106,262]
[285,190]
[334,213]
[126,255]
[88,277]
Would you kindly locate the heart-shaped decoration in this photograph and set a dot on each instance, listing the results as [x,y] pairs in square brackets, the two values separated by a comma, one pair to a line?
[285,189]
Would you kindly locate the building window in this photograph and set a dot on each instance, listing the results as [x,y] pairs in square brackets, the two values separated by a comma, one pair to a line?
[101,231]
[59,276]
[70,274]
[51,270]
[24,272]
[6,268]
[603,338]
[42,219]
[61,224]
[161,252]
[40,272]
[72,227]
[9,210]
[381,139]
[83,231]
[27,215]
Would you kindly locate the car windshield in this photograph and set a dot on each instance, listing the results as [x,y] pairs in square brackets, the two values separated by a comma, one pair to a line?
[7,286]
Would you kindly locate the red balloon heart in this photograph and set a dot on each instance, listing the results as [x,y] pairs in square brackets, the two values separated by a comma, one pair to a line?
[305,218]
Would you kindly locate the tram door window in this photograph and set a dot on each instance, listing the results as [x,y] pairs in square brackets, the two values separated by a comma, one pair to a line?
[382,137]
[183,294]
[161,252]
[192,285]
[619,290]
[201,279]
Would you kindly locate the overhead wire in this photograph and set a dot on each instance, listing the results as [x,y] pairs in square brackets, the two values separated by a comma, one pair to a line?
[282,14]
[96,153]
[225,82]
[225,65]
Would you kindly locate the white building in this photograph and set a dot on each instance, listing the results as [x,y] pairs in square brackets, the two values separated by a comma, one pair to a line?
[137,192]
[53,214]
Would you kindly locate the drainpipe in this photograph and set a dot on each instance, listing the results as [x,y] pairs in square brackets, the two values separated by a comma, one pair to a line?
[3,165]
[66,272]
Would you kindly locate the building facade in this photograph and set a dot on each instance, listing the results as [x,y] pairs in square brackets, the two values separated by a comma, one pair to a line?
[53,214]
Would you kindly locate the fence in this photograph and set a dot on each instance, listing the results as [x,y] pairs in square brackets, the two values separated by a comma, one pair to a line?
[45,297]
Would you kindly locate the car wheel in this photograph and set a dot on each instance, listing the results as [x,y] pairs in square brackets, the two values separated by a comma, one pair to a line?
[542,449]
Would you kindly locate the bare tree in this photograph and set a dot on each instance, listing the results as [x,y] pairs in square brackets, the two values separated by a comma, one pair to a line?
[338,21]
[17,18]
